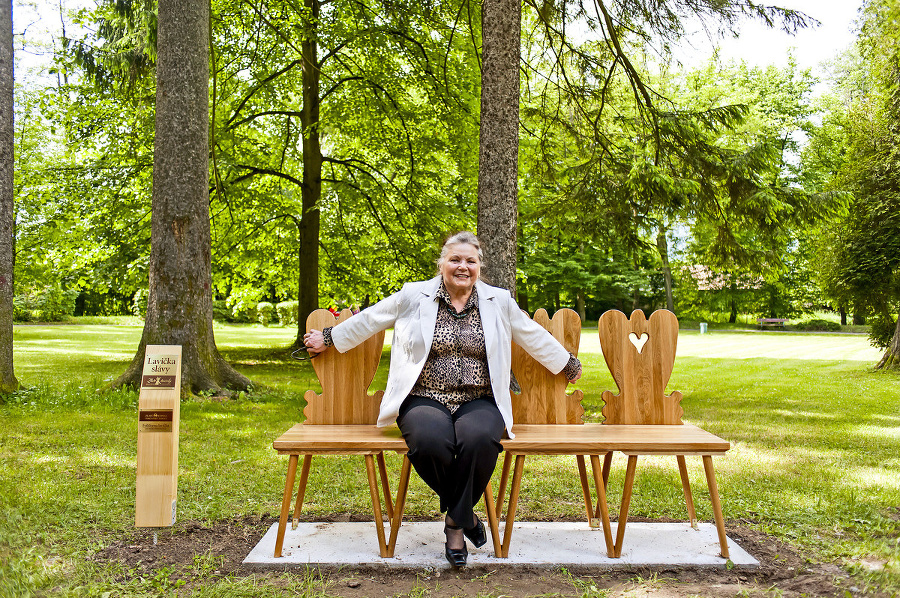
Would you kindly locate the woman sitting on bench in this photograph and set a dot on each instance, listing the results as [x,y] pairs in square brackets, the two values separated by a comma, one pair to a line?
[449,380]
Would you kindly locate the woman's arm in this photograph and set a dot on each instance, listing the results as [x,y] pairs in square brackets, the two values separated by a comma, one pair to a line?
[540,344]
[355,330]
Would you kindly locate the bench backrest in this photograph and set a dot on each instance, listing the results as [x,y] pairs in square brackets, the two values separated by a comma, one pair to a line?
[544,399]
[640,354]
[345,378]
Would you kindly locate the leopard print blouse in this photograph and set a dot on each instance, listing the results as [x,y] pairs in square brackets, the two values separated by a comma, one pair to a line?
[456,370]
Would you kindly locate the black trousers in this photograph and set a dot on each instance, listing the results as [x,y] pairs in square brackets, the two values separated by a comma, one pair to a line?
[454,453]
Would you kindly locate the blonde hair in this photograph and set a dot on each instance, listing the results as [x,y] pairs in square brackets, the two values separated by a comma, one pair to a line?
[456,239]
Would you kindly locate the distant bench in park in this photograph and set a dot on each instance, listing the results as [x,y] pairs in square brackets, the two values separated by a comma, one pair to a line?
[640,420]
[771,322]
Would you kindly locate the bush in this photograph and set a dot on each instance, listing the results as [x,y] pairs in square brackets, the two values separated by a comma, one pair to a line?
[816,325]
[50,304]
[882,330]
[221,311]
[288,312]
[244,312]
[139,303]
[264,311]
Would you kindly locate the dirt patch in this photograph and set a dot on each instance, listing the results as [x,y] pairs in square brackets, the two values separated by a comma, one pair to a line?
[195,553]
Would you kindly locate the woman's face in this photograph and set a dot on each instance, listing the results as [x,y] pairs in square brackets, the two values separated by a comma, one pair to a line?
[461,267]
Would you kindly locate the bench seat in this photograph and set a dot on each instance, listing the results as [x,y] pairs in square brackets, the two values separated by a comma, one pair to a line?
[339,439]
[531,439]
[599,439]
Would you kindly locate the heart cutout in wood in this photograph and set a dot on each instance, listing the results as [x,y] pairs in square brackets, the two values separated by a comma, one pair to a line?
[638,342]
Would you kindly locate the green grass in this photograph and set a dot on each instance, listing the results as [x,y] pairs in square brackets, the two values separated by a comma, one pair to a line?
[815,456]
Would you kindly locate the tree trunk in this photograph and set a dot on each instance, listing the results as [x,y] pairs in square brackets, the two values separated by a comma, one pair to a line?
[843,312]
[308,279]
[8,381]
[580,293]
[732,318]
[179,311]
[580,306]
[663,246]
[498,156]
[891,358]
[858,319]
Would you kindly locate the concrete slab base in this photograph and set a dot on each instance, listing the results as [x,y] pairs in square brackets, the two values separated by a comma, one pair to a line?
[549,544]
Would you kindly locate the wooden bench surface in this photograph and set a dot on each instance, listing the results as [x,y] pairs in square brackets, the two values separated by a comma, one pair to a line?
[602,438]
[530,438]
[343,439]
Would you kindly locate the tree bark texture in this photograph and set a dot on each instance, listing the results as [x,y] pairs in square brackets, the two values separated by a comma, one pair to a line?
[179,311]
[891,358]
[8,381]
[308,278]
[498,156]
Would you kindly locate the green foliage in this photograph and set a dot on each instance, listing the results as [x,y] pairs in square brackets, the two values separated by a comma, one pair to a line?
[264,312]
[47,304]
[139,302]
[859,253]
[243,311]
[882,328]
[287,313]
[817,325]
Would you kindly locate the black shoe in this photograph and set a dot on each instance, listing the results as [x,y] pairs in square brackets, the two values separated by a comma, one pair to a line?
[455,556]
[476,535]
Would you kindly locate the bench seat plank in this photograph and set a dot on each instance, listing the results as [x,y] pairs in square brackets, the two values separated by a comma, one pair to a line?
[346,439]
[601,438]
[530,439]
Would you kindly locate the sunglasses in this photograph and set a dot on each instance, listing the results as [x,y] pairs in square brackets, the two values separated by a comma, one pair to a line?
[302,354]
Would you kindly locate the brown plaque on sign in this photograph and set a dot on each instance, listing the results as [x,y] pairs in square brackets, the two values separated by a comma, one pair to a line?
[157,381]
[155,420]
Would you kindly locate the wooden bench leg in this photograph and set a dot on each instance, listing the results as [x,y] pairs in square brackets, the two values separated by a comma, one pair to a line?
[504,476]
[586,490]
[716,504]
[385,488]
[607,465]
[602,507]
[626,502]
[286,504]
[686,486]
[376,505]
[513,504]
[397,518]
[301,490]
[491,510]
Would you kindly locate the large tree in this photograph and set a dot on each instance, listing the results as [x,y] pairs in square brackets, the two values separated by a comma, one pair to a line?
[180,305]
[499,141]
[8,381]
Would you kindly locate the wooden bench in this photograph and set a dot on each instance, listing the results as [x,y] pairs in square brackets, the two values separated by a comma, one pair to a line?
[341,422]
[771,322]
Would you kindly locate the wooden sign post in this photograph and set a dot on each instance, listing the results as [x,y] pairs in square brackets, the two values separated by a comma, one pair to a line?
[157,444]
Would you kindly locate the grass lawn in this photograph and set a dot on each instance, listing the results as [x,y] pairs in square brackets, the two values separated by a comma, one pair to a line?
[815,456]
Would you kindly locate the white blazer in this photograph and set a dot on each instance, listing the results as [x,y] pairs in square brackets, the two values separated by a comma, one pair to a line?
[412,312]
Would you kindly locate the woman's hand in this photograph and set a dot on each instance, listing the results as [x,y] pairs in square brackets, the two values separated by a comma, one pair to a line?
[314,341]
[576,377]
